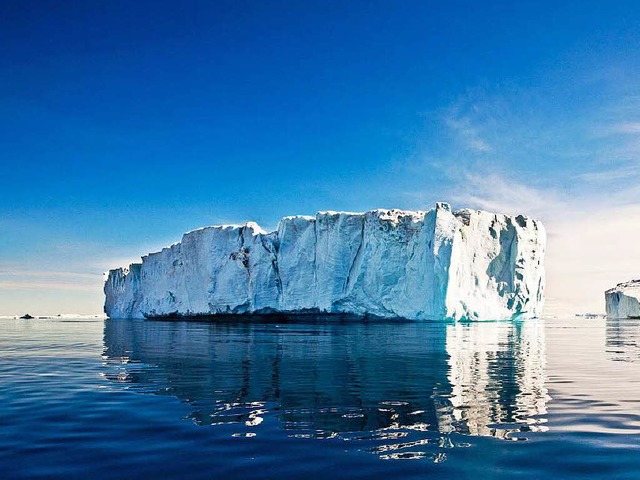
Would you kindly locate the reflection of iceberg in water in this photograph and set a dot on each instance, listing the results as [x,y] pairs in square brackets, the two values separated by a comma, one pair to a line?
[622,339]
[400,390]
[497,377]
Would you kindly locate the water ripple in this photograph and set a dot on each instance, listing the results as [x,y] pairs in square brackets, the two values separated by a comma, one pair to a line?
[93,398]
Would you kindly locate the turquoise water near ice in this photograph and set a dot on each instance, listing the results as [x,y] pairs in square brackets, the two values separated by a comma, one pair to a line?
[93,398]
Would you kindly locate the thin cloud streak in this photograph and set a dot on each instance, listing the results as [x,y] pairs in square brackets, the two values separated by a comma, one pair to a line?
[48,286]
[623,172]
[46,273]
[628,127]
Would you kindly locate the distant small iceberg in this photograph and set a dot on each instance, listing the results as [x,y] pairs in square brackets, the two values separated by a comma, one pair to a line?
[591,316]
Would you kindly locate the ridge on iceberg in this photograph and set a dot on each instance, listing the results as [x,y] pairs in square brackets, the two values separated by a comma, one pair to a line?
[462,265]
[623,300]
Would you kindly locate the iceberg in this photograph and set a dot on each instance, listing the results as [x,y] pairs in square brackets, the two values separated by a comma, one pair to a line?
[416,265]
[623,301]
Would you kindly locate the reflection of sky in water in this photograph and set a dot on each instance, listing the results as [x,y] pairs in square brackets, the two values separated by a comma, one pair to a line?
[399,390]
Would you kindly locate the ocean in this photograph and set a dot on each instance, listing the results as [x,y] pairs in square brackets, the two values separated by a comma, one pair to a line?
[322,398]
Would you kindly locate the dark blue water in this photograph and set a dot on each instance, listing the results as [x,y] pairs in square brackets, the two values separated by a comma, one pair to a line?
[150,399]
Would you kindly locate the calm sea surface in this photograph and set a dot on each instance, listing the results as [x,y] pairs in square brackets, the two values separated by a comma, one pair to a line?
[93,398]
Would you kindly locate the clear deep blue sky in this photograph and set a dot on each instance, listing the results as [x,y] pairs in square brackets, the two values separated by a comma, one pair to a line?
[124,124]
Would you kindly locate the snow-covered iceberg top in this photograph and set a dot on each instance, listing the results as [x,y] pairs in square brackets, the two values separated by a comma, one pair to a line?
[623,300]
[437,264]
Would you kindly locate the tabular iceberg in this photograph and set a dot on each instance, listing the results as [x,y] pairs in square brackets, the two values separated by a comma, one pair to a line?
[462,265]
[623,301]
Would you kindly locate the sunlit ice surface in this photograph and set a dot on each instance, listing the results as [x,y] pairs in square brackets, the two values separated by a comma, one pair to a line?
[555,398]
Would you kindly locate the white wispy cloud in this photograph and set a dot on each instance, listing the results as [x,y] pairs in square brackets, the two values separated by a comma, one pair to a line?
[589,200]
[497,192]
[468,133]
[590,239]
[467,120]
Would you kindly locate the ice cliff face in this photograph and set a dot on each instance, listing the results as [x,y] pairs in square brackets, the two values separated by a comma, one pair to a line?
[623,301]
[389,263]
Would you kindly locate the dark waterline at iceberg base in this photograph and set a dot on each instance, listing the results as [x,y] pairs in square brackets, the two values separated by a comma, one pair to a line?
[92,398]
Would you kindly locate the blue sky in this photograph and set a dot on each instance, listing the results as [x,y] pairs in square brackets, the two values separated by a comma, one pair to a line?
[125,124]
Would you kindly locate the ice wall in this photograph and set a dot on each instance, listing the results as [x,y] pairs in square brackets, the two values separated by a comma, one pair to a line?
[623,301]
[417,265]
